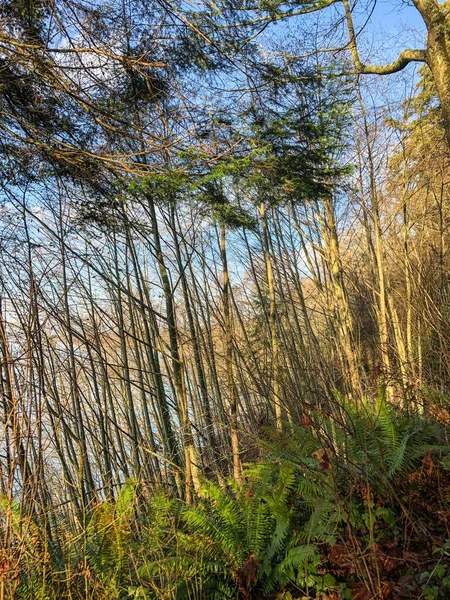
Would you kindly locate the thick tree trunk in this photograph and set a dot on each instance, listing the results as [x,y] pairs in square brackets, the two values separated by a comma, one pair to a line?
[437,53]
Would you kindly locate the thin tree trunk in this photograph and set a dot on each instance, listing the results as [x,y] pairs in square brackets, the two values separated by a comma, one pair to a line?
[229,356]
[191,460]
[276,391]
[340,297]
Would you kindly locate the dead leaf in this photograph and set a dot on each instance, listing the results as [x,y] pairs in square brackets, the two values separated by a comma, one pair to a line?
[248,573]
[360,591]
[323,455]
[428,463]
[339,554]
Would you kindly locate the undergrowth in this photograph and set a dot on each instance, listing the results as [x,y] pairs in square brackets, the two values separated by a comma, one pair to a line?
[353,505]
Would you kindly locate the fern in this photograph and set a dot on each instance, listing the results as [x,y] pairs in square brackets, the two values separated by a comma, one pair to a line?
[297,560]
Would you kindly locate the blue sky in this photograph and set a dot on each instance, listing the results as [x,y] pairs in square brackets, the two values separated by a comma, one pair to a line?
[394,13]
[394,25]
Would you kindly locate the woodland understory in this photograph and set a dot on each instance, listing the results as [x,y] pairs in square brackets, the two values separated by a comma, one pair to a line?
[224,303]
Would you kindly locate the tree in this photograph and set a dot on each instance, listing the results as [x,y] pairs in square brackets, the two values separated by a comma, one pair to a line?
[246,24]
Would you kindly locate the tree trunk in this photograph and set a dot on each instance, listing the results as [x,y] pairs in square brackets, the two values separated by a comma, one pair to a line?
[191,461]
[437,53]
[273,319]
[229,356]
[340,299]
